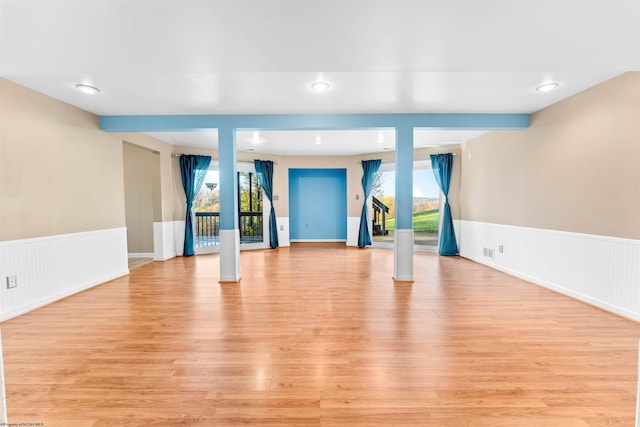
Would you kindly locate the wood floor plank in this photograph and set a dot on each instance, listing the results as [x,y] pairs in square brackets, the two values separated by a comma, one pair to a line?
[320,335]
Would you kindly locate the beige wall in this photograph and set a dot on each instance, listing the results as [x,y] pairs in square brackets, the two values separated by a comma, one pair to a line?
[142,196]
[58,172]
[167,178]
[576,169]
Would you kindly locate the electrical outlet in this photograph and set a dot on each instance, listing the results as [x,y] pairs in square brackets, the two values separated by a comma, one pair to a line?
[500,249]
[282,228]
[357,197]
[12,282]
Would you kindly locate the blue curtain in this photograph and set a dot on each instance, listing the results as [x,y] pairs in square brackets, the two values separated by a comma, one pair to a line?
[264,169]
[193,170]
[369,168]
[442,165]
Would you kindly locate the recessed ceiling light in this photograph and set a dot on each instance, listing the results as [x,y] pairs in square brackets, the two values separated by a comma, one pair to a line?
[320,86]
[547,87]
[318,140]
[88,89]
[380,139]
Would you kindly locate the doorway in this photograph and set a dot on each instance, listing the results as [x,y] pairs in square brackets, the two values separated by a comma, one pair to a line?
[142,201]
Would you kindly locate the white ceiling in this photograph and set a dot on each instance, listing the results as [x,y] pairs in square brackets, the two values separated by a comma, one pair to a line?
[253,57]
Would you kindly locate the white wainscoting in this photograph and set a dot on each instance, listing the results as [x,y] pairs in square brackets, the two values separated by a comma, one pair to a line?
[602,271]
[54,267]
[353,229]
[178,237]
[164,240]
[283,230]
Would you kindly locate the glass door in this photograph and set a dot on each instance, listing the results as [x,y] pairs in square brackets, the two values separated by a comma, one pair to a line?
[383,206]
[251,209]
[206,209]
[252,224]
[426,207]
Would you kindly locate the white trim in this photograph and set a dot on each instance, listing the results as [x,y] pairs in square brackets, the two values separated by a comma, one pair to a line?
[178,236]
[57,237]
[599,270]
[283,230]
[353,229]
[54,267]
[164,240]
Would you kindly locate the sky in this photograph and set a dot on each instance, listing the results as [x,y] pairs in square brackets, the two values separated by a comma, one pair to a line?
[424,184]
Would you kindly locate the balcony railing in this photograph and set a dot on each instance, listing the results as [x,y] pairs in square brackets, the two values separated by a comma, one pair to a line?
[208,228]
[250,227]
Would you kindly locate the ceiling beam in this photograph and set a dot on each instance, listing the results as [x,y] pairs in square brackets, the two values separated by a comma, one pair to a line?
[177,123]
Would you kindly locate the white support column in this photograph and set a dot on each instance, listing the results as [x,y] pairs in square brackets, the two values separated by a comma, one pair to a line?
[229,232]
[403,234]
[229,255]
[403,255]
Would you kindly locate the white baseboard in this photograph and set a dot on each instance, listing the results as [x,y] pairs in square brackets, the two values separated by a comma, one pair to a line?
[140,254]
[599,270]
[54,267]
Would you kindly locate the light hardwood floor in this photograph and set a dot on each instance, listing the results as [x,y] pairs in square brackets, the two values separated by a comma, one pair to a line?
[320,335]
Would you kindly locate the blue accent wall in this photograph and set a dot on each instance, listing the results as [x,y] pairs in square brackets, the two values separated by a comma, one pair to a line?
[318,204]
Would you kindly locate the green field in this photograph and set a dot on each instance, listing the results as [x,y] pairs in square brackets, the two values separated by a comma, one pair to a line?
[425,221]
